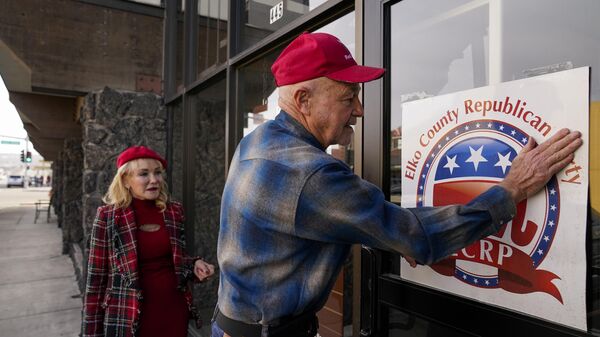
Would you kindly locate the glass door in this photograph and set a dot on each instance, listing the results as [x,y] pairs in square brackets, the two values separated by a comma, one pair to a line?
[436,47]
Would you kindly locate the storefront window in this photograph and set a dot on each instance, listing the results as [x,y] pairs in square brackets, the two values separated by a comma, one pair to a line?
[560,36]
[437,48]
[259,95]
[208,108]
[258,98]
[176,169]
[212,34]
[440,47]
[262,17]
[179,47]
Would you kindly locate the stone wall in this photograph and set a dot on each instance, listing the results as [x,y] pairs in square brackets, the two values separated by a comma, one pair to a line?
[66,201]
[176,164]
[56,199]
[72,161]
[113,121]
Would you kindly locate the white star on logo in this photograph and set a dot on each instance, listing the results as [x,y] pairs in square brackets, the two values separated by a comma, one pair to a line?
[476,280]
[552,191]
[447,138]
[553,207]
[487,283]
[427,164]
[467,127]
[540,251]
[503,161]
[477,125]
[476,157]
[546,238]
[451,164]
[421,187]
[551,223]
[456,132]
[501,127]
[513,132]
[524,140]
[464,277]
[489,125]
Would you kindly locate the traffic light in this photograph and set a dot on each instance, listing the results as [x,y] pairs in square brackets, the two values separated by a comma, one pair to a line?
[28,157]
[22,156]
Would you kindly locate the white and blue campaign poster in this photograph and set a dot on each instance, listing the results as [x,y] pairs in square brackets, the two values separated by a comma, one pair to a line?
[456,146]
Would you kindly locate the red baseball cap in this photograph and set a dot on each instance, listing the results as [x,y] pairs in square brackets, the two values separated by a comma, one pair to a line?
[137,152]
[313,55]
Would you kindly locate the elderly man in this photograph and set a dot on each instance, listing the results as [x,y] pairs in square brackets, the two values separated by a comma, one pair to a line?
[290,212]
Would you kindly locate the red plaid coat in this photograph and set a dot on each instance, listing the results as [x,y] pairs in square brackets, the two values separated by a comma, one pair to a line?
[111,305]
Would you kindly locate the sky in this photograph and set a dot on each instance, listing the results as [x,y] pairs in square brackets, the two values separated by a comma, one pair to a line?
[10,124]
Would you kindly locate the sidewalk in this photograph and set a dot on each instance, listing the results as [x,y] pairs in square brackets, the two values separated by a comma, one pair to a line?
[38,292]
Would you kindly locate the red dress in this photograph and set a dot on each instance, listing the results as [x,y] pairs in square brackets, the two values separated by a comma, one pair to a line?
[164,311]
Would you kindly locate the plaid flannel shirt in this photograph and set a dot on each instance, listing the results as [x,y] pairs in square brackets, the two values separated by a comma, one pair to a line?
[290,213]
[111,304]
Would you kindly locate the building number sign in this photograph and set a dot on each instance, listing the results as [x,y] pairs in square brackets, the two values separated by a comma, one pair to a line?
[276,12]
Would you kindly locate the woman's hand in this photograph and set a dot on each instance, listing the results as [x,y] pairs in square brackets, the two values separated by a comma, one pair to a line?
[203,270]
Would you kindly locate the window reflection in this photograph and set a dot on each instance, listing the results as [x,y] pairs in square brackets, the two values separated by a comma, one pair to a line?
[208,107]
[212,34]
[403,324]
[259,94]
[560,36]
[438,47]
[262,17]
[179,47]
[177,150]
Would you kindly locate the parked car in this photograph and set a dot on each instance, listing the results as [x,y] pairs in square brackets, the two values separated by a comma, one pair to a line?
[15,181]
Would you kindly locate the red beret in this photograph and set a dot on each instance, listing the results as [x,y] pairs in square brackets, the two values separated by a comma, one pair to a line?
[137,152]
[313,55]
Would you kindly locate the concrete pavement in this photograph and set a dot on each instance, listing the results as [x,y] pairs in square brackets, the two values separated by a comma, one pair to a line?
[38,292]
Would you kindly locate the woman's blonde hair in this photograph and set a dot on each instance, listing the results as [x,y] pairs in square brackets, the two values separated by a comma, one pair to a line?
[120,196]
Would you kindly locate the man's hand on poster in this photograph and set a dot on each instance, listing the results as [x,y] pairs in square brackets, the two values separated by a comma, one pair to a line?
[536,164]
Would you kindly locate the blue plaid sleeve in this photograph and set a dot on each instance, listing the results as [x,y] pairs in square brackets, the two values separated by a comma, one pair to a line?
[339,207]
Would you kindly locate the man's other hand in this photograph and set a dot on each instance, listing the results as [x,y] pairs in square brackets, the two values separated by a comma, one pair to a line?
[410,261]
[536,164]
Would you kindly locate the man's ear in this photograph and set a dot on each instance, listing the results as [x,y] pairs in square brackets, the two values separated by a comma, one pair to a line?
[302,100]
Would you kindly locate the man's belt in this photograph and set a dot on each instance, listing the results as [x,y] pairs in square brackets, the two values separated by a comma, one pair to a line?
[303,325]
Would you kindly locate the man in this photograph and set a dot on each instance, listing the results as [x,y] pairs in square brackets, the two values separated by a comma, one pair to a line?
[290,212]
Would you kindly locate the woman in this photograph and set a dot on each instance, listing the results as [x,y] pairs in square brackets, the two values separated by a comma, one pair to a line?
[137,270]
